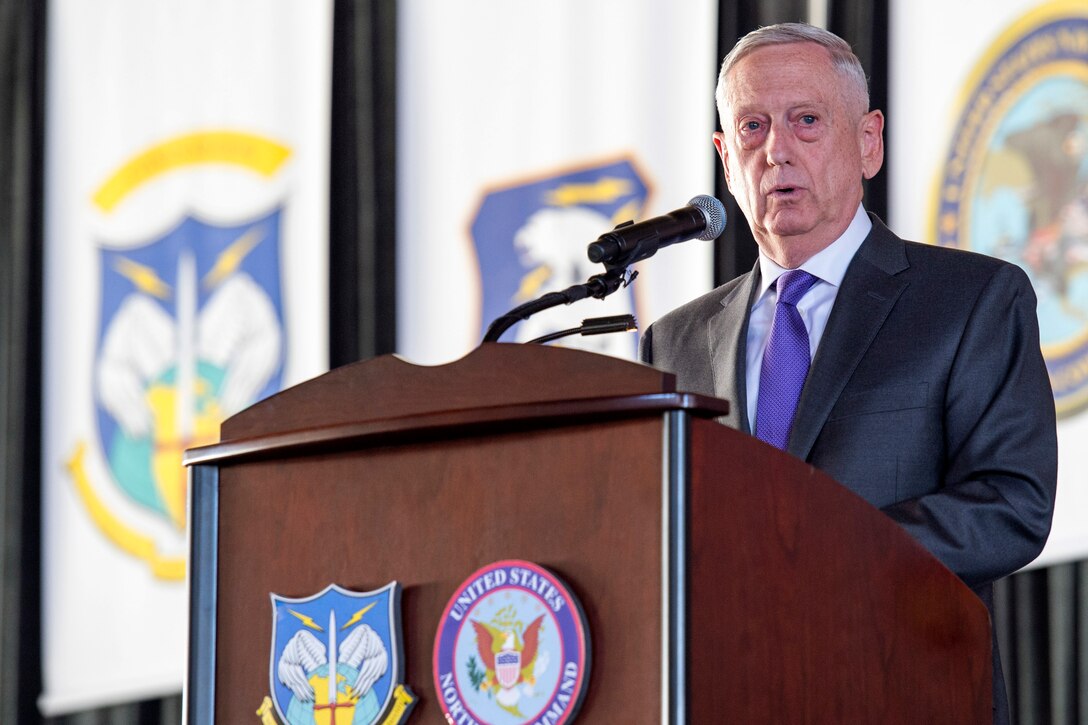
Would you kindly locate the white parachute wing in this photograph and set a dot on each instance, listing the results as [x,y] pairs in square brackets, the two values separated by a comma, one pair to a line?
[364,650]
[238,330]
[303,654]
[138,346]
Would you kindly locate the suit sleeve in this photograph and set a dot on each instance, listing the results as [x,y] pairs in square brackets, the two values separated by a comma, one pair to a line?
[993,513]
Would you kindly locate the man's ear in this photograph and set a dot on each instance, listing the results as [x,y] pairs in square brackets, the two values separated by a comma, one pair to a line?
[723,154]
[871,141]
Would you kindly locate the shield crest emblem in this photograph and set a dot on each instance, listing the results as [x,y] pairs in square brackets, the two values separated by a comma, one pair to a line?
[336,657]
[508,667]
[531,237]
[191,332]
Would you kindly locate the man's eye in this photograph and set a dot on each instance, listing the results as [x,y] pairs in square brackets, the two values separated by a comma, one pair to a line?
[808,119]
[751,126]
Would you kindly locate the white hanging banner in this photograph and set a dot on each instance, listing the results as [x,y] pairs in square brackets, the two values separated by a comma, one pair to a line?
[989,148]
[526,131]
[185,278]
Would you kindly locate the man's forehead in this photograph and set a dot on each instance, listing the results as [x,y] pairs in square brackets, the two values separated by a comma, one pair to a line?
[805,52]
[781,77]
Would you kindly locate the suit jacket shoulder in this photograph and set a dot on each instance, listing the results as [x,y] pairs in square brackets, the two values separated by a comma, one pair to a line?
[699,341]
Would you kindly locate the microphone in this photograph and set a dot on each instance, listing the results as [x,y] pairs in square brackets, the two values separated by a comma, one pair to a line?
[703,218]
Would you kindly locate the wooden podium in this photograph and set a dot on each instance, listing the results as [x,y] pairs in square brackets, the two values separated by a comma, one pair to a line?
[722,580]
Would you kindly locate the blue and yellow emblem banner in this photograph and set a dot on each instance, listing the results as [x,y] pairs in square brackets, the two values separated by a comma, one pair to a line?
[518,149]
[185,278]
[551,221]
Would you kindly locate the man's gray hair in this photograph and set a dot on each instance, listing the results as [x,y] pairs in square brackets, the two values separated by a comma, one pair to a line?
[842,57]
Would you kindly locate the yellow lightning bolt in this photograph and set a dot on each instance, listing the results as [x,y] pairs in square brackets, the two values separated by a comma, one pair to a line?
[307,621]
[232,257]
[603,190]
[143,277]
[358,615]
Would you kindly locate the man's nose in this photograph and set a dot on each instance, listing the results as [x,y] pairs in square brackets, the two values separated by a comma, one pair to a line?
[779,145]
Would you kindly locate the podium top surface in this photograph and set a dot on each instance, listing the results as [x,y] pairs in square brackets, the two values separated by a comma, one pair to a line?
[496,382]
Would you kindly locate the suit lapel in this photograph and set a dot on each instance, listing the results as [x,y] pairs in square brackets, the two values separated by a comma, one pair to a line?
[869,292]
[728,340]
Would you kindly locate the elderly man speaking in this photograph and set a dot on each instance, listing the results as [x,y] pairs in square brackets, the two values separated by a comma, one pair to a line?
[911,374]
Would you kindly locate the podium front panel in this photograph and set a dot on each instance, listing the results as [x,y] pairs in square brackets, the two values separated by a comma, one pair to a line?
[584,501]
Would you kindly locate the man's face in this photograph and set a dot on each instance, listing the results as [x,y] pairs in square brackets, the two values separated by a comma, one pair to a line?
[795,145]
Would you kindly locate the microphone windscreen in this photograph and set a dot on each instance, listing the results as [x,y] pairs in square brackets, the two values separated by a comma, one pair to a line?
[714,213]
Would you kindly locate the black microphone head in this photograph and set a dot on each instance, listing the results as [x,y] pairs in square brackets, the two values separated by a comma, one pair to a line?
[713,212]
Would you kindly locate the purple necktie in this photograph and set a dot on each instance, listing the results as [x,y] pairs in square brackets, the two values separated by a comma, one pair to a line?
[786,361]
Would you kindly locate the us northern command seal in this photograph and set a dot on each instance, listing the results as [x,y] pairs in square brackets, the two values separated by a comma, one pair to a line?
[1015,182]
[336,659]
[512,648]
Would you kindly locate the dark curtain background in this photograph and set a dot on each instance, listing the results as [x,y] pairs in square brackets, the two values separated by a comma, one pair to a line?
[1040,615]
[22,35]
[362,219]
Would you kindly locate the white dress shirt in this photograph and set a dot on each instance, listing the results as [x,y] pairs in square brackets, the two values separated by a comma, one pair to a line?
[829,266]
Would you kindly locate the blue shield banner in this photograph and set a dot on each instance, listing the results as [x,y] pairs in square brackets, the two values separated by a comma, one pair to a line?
[531,238]
[191,332]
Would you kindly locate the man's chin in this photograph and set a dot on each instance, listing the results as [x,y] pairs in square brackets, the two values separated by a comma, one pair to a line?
[789,223]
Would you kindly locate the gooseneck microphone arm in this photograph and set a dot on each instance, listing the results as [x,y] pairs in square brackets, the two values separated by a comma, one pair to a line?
[599,286]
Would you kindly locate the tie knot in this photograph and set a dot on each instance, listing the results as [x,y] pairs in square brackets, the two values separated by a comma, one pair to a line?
[793,285]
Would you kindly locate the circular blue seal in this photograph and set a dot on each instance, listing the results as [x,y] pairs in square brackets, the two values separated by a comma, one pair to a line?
[512,648]
[1015,182]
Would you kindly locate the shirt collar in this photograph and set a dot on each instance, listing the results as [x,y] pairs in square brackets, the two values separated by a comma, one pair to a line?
[829,264]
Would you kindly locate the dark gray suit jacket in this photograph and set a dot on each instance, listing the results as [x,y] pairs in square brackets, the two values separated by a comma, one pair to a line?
[928,397]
